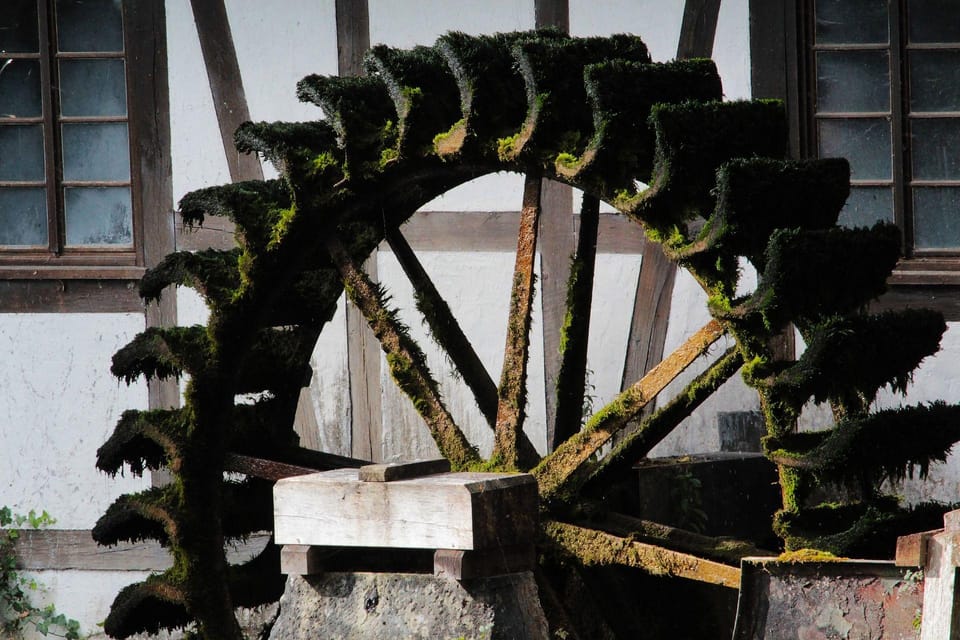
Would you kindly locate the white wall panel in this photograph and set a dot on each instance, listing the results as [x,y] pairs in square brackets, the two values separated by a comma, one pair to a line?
[60,403]
[196,150]
[657,22]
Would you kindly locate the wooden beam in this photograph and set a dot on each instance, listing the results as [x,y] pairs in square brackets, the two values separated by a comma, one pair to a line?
[469,511]
[353,36]
[74,549]
[363,348]
[69,296]
[552,13]
[597,548]
[226,84]
[511,409]
[557,239]
[651,306]
[496,231]
[698,28]
[555,471]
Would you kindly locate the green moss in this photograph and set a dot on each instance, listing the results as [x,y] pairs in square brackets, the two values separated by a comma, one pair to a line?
[808,555]
[567,160]
[505,146]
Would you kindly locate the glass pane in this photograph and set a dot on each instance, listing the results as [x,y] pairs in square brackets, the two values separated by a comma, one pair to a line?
[19,27]
[89,25]
[96,152]
[934,20]
[935,80]
[853,81]
[936,148]
[866,206]
[20,89]
[92,88]
[936,218]
[98,216]
[23,217]
[851,21]
[865,142]
[21,153]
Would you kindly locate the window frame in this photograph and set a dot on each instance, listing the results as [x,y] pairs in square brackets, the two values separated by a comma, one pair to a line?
[918,266]
[779,69]
[147,119]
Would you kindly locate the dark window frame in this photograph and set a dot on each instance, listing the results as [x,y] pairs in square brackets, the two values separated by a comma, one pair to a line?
[55,284]
[782,68]
[147,96]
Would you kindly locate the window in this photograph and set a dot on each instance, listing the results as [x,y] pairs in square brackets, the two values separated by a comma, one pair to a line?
[66,189]
[884,91]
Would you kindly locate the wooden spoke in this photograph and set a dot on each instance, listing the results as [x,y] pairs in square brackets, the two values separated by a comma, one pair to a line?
[553,472]
[571,382]
[513,389]
[406,360]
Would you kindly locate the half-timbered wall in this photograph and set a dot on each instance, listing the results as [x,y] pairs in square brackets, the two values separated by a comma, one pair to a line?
[230,60]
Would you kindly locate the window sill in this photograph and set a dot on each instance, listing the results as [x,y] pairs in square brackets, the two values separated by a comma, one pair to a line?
[926,272]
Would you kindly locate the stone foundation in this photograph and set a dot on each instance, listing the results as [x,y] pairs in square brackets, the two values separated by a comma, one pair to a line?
[386,606]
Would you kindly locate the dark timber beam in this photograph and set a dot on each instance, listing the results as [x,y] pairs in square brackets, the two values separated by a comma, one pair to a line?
[226,84]
[557,243]
[651,308]
[363,348]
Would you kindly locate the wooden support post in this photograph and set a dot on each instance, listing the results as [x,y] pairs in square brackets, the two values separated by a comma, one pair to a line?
[466,565]
[941,568]
[302,559]
[912,549]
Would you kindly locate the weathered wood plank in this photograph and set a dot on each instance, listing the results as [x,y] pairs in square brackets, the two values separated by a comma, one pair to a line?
[467,565]
[596,548]
[226,84]
[497,231]
[558,467]
[391,471]
[513,388]
[912,549]
[74,549]
[445,511]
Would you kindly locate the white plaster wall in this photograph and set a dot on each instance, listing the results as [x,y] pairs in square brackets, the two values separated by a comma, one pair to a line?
[657,22]
[400,23]
[84,596]
[60,403]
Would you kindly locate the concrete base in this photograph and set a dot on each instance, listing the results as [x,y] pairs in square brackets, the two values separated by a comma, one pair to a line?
[385,606]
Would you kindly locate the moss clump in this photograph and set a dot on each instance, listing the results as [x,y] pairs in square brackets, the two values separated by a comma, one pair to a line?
[808,555]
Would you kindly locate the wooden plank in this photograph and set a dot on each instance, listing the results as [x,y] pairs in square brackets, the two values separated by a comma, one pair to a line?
[513,378]
[445,511]
[226,84]
[651,314]
[74,549]
[945,299]
[941,582]
[698,28]
[353,35]
[912,549]
[363,348]
[149,105]
[69,296]
[597,548]
[556,241]
[467,565]
[496,231]
[558,467]
[391,471]
[261,468]
[552,13]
